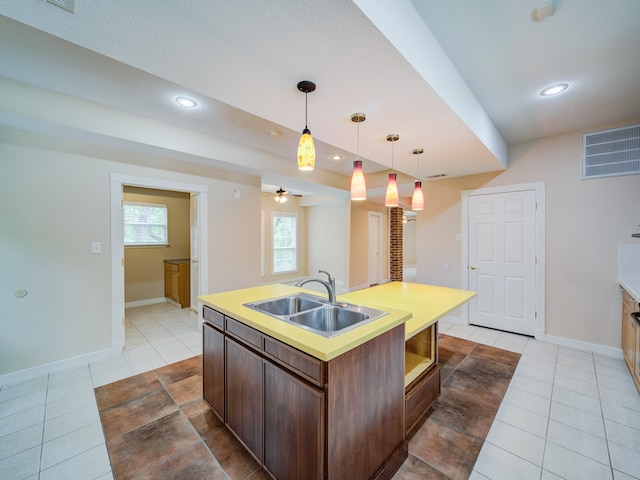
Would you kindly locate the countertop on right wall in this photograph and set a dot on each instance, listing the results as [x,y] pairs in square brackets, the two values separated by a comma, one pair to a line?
[629,268]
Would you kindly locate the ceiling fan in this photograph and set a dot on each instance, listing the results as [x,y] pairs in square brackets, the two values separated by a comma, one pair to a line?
[282,196]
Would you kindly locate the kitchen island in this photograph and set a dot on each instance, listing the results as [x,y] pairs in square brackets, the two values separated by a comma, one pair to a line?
[308,406]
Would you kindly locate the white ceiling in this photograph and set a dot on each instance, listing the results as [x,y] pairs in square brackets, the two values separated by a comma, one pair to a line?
[460,79]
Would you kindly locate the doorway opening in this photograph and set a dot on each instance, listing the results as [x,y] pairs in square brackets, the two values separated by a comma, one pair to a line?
[409,249]
[374,269]
[198,242]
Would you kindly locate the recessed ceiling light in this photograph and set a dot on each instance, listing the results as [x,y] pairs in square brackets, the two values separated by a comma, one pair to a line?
[275,132]
[554,89]
[336,157]
[186,102]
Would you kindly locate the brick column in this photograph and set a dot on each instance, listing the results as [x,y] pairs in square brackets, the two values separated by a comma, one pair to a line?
[396,232]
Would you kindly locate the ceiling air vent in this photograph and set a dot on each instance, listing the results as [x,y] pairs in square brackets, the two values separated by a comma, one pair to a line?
[437,175]
[611,152]
[66,4]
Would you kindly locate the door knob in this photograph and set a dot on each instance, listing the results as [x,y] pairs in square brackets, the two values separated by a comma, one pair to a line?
[473,267]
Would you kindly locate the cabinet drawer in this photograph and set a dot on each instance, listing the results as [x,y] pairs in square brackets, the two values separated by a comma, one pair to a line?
[213,317]
[243,332]
[171,267]
[298,362]
[421,397]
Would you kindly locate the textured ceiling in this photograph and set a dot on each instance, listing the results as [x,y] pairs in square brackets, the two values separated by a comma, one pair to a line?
[459,79]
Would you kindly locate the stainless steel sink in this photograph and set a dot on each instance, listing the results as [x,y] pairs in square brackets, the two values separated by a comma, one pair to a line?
[288,305]
[317,314]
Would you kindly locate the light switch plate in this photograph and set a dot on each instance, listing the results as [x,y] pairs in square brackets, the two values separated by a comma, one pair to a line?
[96,247]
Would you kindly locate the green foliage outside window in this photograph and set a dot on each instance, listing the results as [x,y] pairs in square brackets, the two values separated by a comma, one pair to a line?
[284,243]
[145,224]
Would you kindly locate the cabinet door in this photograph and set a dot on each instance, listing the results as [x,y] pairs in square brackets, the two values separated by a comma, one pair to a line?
[632,347]
[636,369]
[175,287]
[213,368]
[167,280]
[628,332]
[244,375]
[294,426]
[183,291]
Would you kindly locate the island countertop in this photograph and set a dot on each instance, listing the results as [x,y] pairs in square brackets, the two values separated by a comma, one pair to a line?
[427,303]
[416,305]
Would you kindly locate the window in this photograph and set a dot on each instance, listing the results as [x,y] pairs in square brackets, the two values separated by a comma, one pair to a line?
[285,257]
[145,224]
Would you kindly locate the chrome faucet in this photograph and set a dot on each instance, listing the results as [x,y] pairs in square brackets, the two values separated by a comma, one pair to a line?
[330,285]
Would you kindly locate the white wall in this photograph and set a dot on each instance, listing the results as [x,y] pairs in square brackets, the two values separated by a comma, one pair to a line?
[359,244]
[328,236]
[409,243]
[585,222]
[52,206]
[269,207]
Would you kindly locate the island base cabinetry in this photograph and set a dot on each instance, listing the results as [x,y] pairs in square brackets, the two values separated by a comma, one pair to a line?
[293,423]
[307,418]
[244,395]
[213,369]
[422,376]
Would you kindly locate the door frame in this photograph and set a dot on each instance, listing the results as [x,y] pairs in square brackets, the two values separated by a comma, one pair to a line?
[118,181]
[377,217]
[539,240]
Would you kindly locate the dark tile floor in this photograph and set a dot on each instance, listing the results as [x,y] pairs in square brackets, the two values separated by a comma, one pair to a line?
[158,427]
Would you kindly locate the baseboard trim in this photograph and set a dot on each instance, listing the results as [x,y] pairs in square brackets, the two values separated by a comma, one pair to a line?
[452,319]
[585,346]
[60,365]
[141,303]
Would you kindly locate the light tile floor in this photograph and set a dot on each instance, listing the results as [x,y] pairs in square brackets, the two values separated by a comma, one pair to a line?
[50,427]
[566,415]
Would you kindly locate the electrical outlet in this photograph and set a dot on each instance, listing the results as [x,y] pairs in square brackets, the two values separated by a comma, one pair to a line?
[236,193]
[445,267]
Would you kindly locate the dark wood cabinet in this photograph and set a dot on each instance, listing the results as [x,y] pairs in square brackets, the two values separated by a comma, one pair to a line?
[422,376]
[244,395]
[213,368]
[304,418]
[293,426]
[365,409]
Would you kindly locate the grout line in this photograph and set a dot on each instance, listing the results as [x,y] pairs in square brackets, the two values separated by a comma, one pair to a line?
[44,422]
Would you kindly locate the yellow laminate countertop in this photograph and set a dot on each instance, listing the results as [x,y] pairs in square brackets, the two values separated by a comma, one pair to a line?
[427,303]
[396,298]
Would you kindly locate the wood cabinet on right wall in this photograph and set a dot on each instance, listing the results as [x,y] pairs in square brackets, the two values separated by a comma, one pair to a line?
[631,336]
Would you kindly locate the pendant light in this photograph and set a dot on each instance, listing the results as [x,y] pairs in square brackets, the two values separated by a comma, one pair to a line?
[306,148]
[358,185]
[417,201]
[392,200]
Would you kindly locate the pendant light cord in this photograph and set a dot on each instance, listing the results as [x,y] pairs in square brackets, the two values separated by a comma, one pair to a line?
[392,162]
[358,140]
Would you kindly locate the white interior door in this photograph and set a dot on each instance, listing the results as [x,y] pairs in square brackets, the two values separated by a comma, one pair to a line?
[374,247]
[502,260]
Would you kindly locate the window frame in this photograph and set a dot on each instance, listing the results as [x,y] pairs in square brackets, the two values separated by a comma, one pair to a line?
[165,243]
[275,215]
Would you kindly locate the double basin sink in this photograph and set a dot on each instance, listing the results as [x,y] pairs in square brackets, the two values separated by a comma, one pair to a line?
[316,313]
